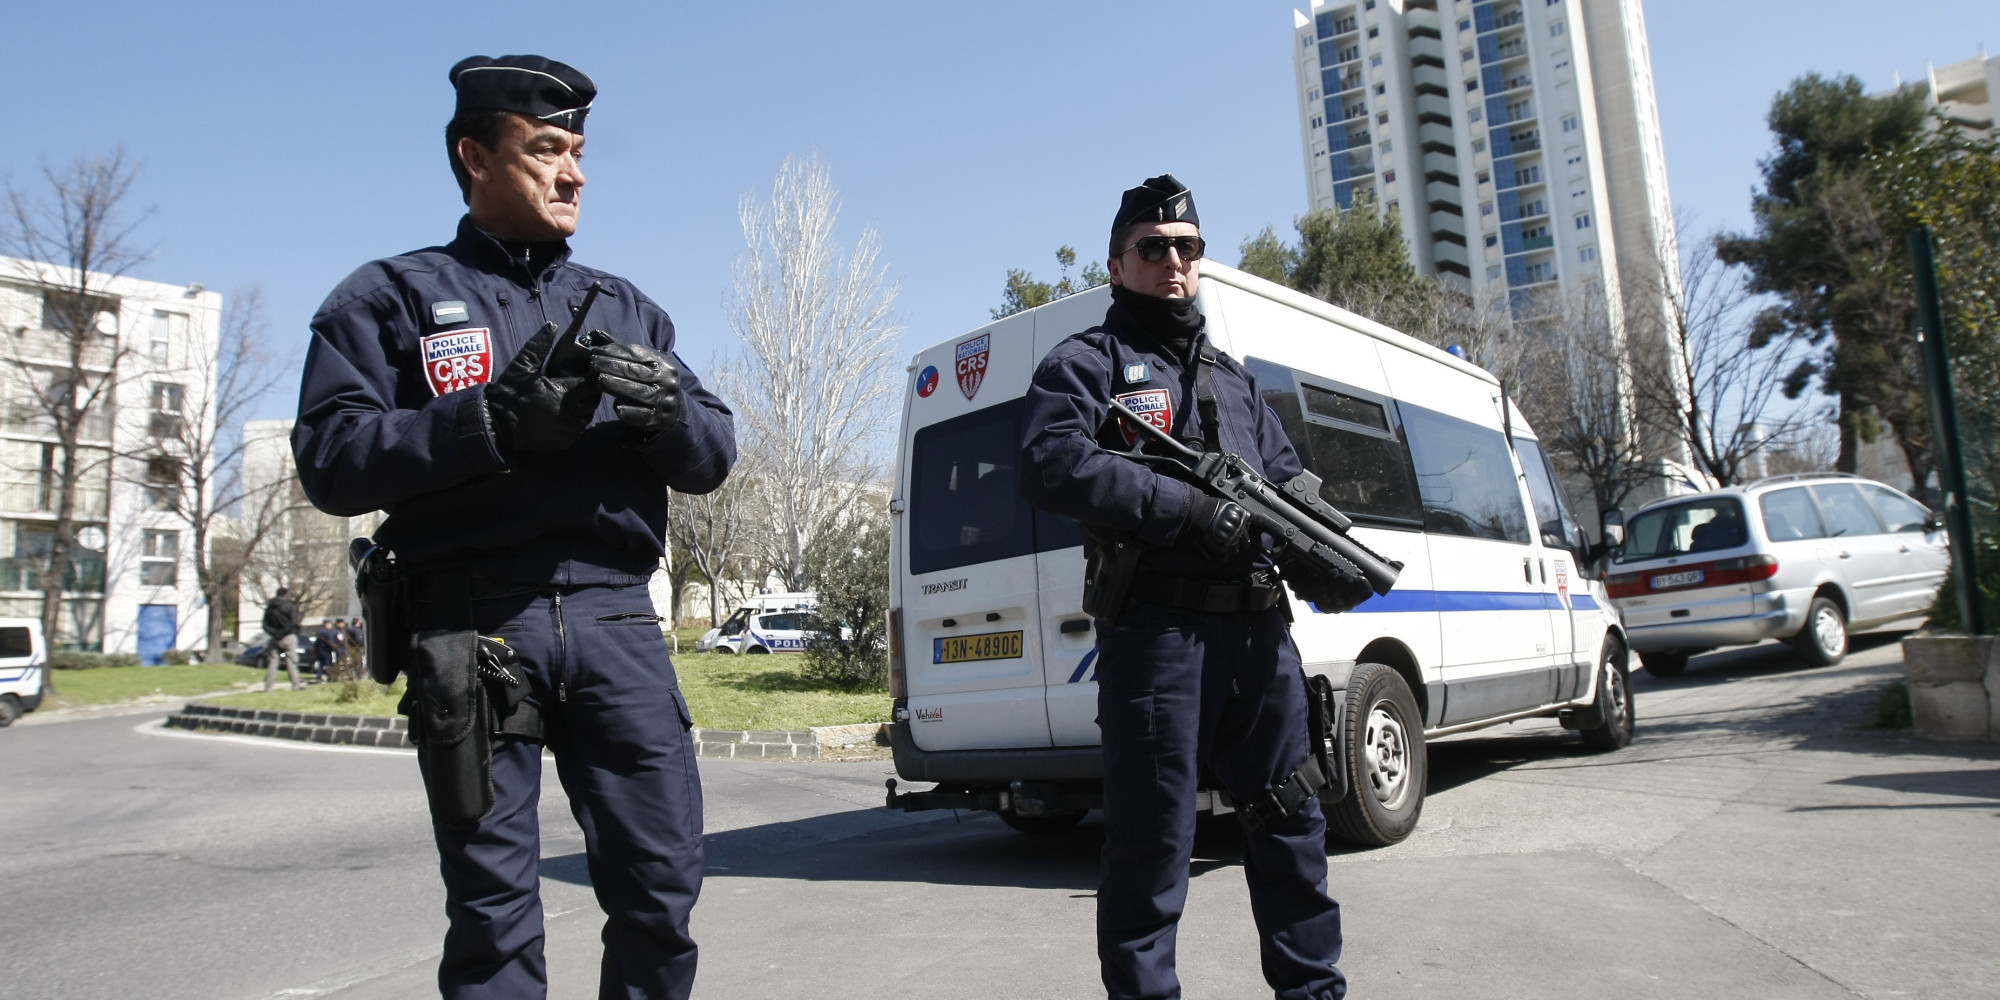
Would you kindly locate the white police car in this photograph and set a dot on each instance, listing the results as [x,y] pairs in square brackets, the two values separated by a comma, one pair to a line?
[763,632]
[1493,619]
[23,657]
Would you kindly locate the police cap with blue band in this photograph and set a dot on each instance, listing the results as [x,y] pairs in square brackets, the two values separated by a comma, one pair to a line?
[1159,199]
[535,86]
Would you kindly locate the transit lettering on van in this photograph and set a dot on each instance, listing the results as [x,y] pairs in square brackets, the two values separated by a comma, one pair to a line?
[1422,450]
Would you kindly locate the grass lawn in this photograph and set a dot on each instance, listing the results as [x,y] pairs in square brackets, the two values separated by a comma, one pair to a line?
[374,699]
[107,685]
[723,692]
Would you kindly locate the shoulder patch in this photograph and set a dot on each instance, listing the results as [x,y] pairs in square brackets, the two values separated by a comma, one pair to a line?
[1154,406]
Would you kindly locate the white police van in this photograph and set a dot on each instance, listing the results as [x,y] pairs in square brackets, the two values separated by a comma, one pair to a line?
[23,657]
[1493,618]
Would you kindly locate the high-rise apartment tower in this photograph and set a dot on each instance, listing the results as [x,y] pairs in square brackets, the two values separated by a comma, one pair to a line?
[1518,140]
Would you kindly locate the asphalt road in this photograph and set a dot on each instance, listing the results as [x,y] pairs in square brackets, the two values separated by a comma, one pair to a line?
[1750,843]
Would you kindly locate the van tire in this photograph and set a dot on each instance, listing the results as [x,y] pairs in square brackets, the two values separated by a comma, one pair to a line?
[10,709]
[1382,802]
[1614,702]
[755,649]
[1666,663]
[1823,642]
[1041,826]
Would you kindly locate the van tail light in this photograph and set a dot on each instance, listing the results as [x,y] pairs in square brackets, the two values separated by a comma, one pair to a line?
[1720,573]
[899,673]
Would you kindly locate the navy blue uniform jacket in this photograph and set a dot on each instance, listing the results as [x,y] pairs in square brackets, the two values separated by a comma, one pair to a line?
[391,417]
[1065,451]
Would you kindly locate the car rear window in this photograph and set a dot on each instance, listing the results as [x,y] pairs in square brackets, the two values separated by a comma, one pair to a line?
[1790,515]
[965,494]
[1700,526]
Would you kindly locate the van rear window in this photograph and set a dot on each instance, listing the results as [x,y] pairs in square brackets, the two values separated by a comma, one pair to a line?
[965,494]
[15,642]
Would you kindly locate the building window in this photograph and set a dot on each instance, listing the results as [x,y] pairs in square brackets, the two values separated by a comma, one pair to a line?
[1556,29]
[1485,208]
[1479,145]
[1579,194]
[1375,60]
[1587,254]
[1316,122]
[165,420]
[1562,63]
[1491,239]
[163,484]
[1305,41]
[1389,177]
[1471,84]
[1583,220]
[1390,208]
[163,337]
[1576,161]
[1464,55]
[1569,123]
[1372,32]
[1482,177]
[1465,24]
[1493,273]
[45,481]
[1312,94]
[1382,118]
[1388,146]
[1370,5]
[160,558]
[1380,90]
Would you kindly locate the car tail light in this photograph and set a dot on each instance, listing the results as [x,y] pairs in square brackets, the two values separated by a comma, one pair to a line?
[899,674]
[1720,573]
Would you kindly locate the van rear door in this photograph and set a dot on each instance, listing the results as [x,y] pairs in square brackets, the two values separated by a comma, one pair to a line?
[971,617]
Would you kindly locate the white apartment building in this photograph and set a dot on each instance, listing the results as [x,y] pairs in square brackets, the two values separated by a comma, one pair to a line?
[131,584]
[1518,140]
[1964,92]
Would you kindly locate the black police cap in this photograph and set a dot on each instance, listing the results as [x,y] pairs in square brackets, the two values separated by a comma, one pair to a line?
[1160,199]
[529,85]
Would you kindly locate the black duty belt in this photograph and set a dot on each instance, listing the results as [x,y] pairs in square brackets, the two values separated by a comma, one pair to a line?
[1257,592]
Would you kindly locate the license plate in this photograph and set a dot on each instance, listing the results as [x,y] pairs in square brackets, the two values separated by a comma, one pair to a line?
[987,646]
[1666,581]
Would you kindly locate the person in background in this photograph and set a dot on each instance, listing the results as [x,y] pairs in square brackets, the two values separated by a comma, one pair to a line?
[281,623]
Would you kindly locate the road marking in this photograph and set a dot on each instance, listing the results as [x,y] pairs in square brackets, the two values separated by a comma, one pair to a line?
[158,727]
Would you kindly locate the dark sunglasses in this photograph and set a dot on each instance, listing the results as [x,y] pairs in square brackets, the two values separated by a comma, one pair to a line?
[1153,249]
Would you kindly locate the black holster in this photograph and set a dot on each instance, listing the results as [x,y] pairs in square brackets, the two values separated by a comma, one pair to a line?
[466,693]
[1108,574]
[1321,775]
[384,608]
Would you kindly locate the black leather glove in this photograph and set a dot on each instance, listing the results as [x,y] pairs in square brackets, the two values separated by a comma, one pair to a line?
[1330,590]
[644,385]
[533,412]
[1220,528]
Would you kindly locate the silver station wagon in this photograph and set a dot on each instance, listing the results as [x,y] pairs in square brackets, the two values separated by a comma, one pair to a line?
[1803,558]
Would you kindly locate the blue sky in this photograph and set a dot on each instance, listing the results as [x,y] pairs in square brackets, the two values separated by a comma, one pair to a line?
[284,144]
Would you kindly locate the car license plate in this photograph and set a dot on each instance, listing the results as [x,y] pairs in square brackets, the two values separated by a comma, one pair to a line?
[987,646]
[1667,581]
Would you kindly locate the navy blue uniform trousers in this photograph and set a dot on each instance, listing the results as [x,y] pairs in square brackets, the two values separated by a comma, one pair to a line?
[1179,693]
[619,730]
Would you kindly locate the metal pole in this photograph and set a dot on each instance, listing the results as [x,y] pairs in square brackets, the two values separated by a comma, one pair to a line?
[1945,440]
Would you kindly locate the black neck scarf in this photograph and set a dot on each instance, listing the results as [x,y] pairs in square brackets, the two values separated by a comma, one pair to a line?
[1175,323]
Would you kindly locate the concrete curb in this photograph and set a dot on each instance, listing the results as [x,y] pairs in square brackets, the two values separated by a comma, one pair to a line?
[393,731]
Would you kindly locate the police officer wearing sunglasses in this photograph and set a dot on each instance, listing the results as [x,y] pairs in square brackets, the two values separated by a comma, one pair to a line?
[1196,670]
[525,477]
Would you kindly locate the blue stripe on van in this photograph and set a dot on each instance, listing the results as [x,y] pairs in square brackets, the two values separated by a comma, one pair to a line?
[1083,665]
[1468,600]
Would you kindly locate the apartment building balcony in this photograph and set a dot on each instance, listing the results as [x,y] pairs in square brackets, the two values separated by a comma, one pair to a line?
[1437,134]
[1452,223]
[30,420]
[1432,107]
[1430,76]
[1518,81]
[1440,193]
[1450,257]
[1441,166]
[53,348]
[1516,48]
[1427,48]
[1530,244]
[1506,19]
[1350,82]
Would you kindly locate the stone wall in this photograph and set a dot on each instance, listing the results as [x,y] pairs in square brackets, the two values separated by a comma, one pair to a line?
[1954,686]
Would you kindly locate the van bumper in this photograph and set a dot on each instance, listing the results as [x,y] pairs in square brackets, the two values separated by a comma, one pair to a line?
[992,767]
[1779,622]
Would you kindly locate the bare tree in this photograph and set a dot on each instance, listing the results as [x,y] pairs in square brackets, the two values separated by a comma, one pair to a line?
[191,462]
[1720,379]
[1570,371]
[819,368]
[710,531]
[74,239]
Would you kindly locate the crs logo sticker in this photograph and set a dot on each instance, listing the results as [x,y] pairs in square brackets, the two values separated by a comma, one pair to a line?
[456,359]
[927,381]
[1152,405]
[972,363]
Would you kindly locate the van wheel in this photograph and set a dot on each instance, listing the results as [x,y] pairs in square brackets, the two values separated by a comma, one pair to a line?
[10,709]
[1823,642]
[1384,750]
[1042,826]
[756,649]
[1614,702]
[1664,664]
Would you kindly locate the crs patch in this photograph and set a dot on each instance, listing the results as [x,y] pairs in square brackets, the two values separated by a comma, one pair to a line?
[1154,406]
[972,357]
[456,359]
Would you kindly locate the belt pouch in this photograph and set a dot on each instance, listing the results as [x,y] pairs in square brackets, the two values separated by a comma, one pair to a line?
[381,589]
[451,711]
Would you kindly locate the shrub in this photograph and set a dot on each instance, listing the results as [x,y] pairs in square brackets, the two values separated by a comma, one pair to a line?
[177,657]
[848,566]
[1944,612]
[78,659]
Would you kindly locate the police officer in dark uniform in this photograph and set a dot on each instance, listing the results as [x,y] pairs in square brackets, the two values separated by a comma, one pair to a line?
[525,479]
[1196,669]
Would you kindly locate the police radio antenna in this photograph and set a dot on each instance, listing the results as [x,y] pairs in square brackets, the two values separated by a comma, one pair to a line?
[575,324]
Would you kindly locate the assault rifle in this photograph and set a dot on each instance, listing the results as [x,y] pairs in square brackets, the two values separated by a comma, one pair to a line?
[1308,528]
